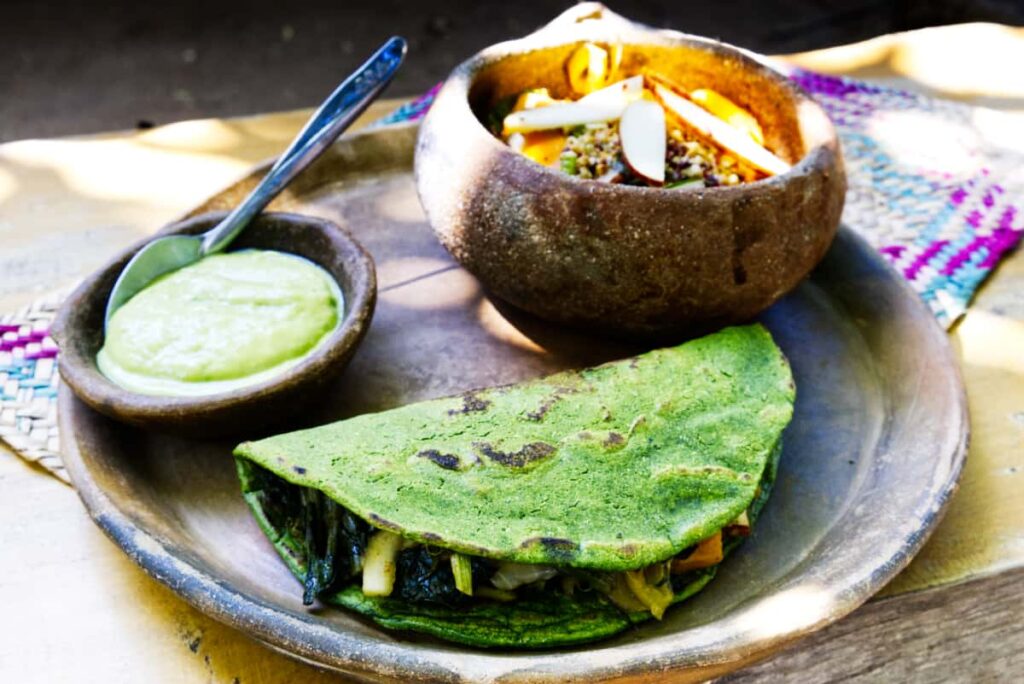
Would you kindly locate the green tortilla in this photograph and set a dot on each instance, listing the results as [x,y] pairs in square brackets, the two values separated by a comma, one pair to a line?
[607,469]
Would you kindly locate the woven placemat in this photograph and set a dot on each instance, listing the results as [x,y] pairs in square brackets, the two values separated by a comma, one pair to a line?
[28,385]
[928,188]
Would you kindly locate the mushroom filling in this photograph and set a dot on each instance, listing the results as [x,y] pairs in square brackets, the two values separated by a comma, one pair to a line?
[334,549]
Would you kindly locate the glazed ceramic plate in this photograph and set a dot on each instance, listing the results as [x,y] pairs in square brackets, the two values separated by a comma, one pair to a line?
[870,460]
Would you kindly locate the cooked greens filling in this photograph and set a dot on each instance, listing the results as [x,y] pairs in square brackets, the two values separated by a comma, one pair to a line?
[331,549]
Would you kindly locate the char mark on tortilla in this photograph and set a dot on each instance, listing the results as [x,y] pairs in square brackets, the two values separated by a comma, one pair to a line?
[471,403]
[528,454]
[446,461]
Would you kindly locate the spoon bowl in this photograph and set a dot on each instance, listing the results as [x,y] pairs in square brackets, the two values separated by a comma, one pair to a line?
[79,331]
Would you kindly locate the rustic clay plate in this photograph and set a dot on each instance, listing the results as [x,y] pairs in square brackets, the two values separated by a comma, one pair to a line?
[872,457]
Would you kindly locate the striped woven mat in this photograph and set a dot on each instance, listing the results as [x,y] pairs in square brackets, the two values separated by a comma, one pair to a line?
[929,187]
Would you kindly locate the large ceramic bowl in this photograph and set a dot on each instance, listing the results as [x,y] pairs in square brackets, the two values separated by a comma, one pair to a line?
[251,409]
[632,260]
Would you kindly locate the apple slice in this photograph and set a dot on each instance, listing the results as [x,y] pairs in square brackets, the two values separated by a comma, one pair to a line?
[560,116]
[642,133]
[622,92]
[599,106]
[705,123]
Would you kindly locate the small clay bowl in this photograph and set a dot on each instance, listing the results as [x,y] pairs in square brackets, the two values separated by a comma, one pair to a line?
[78,330]
[634,261]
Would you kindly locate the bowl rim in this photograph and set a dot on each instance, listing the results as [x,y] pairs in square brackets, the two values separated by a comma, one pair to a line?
[593,22]
[78,369]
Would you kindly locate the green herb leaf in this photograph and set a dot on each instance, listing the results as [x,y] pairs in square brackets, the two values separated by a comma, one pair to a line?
[568,164]
[684,183]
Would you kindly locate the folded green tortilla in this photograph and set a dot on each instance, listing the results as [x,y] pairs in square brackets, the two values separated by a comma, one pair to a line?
[570,507]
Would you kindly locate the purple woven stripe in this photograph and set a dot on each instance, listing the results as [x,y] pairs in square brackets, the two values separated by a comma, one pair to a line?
[422,103]
[1003,237]
[893,251]
[1002,240]
[841,88]
[412,111]
[20,341]
[961,257]
[923,258]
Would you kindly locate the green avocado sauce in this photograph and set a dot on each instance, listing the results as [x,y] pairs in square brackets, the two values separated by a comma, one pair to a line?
[224,322]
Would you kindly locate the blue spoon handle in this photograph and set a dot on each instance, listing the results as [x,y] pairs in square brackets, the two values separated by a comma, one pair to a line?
[336,114]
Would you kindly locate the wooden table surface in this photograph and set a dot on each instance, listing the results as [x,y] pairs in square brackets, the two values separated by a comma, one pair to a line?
[74,608]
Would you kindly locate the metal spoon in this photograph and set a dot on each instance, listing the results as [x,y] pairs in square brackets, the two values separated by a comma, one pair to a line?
[335,115]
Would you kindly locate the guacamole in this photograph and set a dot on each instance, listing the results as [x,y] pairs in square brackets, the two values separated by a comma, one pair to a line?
[226,321]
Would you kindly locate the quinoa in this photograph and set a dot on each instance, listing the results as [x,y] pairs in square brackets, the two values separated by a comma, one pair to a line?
[595,152]
[690,161]
[592,150]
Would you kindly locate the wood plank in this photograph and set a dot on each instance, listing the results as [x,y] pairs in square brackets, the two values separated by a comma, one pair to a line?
[972,632]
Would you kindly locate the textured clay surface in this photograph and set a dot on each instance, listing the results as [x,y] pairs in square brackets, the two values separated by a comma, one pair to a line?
[635,261]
